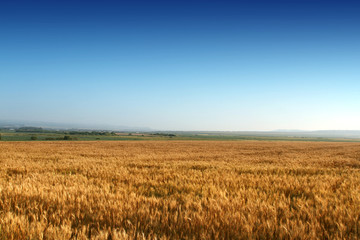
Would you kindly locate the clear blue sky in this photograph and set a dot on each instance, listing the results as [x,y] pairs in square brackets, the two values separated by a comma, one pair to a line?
[182,65]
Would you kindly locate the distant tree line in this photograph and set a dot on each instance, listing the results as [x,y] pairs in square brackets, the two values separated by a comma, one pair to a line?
[164,134]
[66,137]
[41,130]
[97,133]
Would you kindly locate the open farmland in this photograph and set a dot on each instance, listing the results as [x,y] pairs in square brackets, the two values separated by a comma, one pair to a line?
[179,190]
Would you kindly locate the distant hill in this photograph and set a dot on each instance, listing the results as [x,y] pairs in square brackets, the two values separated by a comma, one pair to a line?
[353,134]
[68,126]
[322,133]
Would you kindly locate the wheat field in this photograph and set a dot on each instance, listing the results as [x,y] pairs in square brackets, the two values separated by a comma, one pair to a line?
[179,190]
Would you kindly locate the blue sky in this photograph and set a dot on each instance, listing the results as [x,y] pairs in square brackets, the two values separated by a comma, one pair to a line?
[182,65]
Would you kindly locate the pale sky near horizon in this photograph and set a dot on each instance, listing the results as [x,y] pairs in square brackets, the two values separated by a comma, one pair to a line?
[182,65]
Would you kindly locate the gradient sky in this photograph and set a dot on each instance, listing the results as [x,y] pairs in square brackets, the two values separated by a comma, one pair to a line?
[182,65]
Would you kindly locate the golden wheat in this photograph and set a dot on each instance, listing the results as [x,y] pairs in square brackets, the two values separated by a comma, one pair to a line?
[179,190]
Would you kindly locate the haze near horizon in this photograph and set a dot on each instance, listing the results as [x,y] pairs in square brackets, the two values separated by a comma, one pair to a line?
[182,65]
